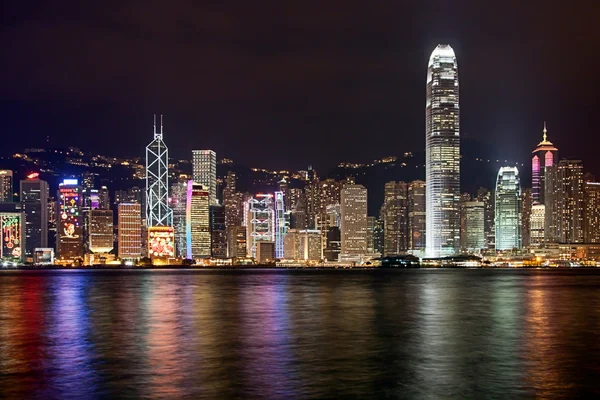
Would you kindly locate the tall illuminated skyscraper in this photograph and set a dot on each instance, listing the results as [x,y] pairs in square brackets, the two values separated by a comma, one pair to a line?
[130,230]
[34,203]
[70,225]
[354,222]
[395,218]
[545,155]
[158,212]
[508,209]
[442,154]
[416,215]
[197,221]
[205,171]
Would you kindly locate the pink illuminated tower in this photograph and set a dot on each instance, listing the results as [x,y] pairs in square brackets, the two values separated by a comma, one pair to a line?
[545,155]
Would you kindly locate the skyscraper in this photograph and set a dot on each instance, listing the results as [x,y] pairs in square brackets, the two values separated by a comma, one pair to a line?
[536,225]
[260,222]
[179,193]
[218,231]
[158,212]
[198,221]
[130,230]
[395,216]
[70,226]
[508,209]
[205,171]
[473,234]
[100,231]
[354,222]
[416,215]
[487,197]
[526,206]
[6,185]
[592,212]
[280,224]
[442,154]
[34,203]
[544,155]
[564,199]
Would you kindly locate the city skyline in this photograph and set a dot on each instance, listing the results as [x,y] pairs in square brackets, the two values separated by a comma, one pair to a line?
[318,91]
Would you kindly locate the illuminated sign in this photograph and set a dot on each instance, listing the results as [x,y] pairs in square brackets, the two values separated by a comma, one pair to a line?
[43,256]
[33,175]
[10,235]
[161,242]
[72,182]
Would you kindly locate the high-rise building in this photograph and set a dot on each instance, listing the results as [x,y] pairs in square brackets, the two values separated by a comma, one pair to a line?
[232,200]
[34,203]
[158,212]
[218,232]
[265,252]
[487,197]
[395,218]
[281,224]
[442,154]
[526,205]
[305,245]
[178,204]
[564,197]
[416,215]
[371,223]
[333,244]
[11,234]
[591,194]
[6,185]
[353,221]
[104,198]
[100,231]
[544,155]
[236,241]
[205,171]
[260,222]
[473,232]
[198,221]
[536,225]
[508,209]
[130,230]
[70,225]
[378,236]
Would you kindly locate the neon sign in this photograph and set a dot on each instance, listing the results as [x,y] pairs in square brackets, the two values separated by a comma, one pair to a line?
[10,234]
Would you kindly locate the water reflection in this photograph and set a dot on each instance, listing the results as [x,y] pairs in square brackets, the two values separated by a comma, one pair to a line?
[286,334]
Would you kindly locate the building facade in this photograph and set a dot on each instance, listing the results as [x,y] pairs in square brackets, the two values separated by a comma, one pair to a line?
[442,154]
[353,211]
[205,171]
[197,217]
[508,209]
[100,231]
[70,222]
[34,203]
[158,212]
[129,217]
[416,215]
[395,219]
[473,232]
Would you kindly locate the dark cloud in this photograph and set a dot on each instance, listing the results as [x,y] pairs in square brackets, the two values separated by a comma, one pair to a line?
[286,84]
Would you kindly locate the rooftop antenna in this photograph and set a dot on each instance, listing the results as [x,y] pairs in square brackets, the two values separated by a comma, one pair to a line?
[161,125]
[155,125]
[545,131]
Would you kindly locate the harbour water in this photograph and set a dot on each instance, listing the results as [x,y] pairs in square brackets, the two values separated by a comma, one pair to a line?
[285,334]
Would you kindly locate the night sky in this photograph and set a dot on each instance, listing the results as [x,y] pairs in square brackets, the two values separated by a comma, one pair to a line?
[280,85]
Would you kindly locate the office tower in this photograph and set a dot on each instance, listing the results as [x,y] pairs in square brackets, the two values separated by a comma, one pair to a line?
[198,221]
[473,232]
[329,194]
[592,212]
[298,215]
[508,209]
[232,200]
[11,234]
[526,204]
[295,196]
[442,154]
[158,212]
[280,224]
[205,171]
[236,241]
[100,231]
[353,222]
[104,198]
[88,180]
[545,155]
[536,225]
[303,245]
[564,198]
[260,222]
[285,189]
[178,204]
[6,185]
[313,204]
[131,195]
[487,197]
[371,221]
[130,230]
[395,218]
[34,203]
[265,252]
[218,233]
[70,225]
[333,244]
[416,215]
